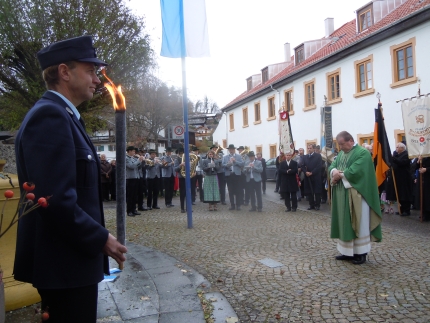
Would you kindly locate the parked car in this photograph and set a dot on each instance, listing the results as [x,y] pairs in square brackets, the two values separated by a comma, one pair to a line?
[271,171]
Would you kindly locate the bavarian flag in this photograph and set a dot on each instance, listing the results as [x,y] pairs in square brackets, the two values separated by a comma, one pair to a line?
[381,148]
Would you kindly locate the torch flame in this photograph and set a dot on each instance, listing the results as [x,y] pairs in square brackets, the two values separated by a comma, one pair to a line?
[118,99]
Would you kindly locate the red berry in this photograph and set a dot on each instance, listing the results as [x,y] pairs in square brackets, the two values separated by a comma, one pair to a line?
[30,196]
[42,202]
[8,194]
[45,316]
[28,186]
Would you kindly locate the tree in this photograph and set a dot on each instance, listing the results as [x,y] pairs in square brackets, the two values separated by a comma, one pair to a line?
[26,26]
[206,106]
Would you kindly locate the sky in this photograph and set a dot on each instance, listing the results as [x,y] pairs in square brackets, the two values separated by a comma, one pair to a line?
[244,37]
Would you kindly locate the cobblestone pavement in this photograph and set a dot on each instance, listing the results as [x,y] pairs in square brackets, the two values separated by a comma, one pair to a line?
[310,286]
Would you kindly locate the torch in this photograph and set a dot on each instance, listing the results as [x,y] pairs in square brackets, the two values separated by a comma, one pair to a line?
[118,101]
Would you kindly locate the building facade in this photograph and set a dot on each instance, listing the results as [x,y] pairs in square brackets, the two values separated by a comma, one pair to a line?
[384,50]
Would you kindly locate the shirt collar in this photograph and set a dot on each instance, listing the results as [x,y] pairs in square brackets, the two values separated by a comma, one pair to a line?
[70,104]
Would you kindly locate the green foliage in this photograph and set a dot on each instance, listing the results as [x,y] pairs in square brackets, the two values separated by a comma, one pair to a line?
[27,26]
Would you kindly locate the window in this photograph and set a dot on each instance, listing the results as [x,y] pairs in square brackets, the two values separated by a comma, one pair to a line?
[288,99]
[224,143]
[300,54]
[249,83]
[309,95]
[257,113]
[265,74]
[333,87]
[272,149]
[365,18]
[111,147]
[271,108]
[231,117]
[100,148]
[245,116]
[365,139]
[399,135]
[258,149]
[364,77]
[403,60]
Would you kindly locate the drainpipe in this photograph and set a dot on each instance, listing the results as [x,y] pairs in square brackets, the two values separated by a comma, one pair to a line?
[279,97]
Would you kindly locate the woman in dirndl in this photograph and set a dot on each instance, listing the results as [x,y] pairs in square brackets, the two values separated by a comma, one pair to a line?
[210,185]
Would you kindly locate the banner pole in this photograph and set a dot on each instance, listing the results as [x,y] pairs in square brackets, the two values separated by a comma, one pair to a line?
[421,192]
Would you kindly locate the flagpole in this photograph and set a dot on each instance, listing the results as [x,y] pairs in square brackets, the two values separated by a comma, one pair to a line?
[187,147]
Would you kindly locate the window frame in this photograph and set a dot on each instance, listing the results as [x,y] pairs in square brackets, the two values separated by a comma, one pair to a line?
[289,93]
[269,108]
[305,86]
[366,136]
[329,77]
[362,12]
[257,105]
[358,93]
[258,149]
[224,143]
[231,121]
[245,121]
[394,72]
[299,58]
[273,150]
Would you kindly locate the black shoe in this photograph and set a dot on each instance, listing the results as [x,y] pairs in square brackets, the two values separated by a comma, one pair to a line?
[131,214]
[252,209]
[223,203]
[294,210]
[405,214]
[343,257]
[359,259]
[310,208]
[142,208]
[317,208]
[232,208]
[182,211]
[259,210]
[323,201]
[155,207]
[171,205]
[193,203]
[288,210]
[397,213]
[276,191]
[299,199]
[136,213]
[245,204]
[149,208]
[238,208]
[281,198]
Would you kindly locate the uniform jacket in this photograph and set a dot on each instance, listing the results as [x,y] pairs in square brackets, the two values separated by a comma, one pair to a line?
[153,171]
[176,167]
[131,167]
[59,246]
[168,170]
[237,164]
[288,176]
[256,171]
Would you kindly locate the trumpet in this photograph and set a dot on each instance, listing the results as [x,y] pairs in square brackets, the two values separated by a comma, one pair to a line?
[149,162]
[245,151]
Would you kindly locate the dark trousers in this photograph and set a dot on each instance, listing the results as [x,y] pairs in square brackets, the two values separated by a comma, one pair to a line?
[234,189]
[199,181]
[182,192]
[324,191]
[405,207]
[105,190]
[290,199]
[245,191]
[70,305]
[153,184]
[130,193]
[193,181]
[169,183]
[141,185]
[221,184]
[315,200]
[254,190]
[112,189]
[278,180]
[263,185]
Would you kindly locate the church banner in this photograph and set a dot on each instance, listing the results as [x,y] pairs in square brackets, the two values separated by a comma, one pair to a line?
[286,136]
[416,122]
[326,134]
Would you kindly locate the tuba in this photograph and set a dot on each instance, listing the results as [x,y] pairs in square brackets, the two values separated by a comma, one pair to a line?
[245,151]
[218,150]
[194,160]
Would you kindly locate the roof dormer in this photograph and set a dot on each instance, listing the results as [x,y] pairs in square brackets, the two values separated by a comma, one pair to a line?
[365,17]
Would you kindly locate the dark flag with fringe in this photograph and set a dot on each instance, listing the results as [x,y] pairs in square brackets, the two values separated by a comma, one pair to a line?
[381,148]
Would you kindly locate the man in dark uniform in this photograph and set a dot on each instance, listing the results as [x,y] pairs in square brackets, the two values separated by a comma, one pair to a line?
[312,169]
[62,249]
[168,173]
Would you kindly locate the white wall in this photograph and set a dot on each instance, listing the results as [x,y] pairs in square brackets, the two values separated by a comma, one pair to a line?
[355,115]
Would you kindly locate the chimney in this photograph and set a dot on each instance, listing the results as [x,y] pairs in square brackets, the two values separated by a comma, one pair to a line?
[287,52]
[329,27]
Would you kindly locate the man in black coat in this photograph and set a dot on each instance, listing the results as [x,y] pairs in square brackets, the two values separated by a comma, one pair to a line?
[288,171]
[312,168]
[62,249]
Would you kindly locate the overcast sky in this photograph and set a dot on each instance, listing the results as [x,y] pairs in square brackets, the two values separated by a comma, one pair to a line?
[244,37]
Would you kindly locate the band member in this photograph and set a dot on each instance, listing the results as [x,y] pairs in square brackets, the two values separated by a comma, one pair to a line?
[288,171]
[152,178]
[312,164]
[243,177]
[263,174]
[233,164]
[141,183]
[178,167]
[198,179]
[221,174]
[168,174]
[253,169]
[211,189]
[132,176]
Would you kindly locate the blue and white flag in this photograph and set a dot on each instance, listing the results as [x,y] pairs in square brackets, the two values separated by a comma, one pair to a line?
[185,29]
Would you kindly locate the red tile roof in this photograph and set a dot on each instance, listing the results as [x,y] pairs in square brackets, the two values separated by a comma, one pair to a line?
[347,36]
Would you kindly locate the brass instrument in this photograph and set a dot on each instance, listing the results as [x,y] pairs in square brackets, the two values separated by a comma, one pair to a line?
[245,151]
[219,150]
[194,160]
[149,162]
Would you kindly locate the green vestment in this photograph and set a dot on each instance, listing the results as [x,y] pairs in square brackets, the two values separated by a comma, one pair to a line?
[358,169]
